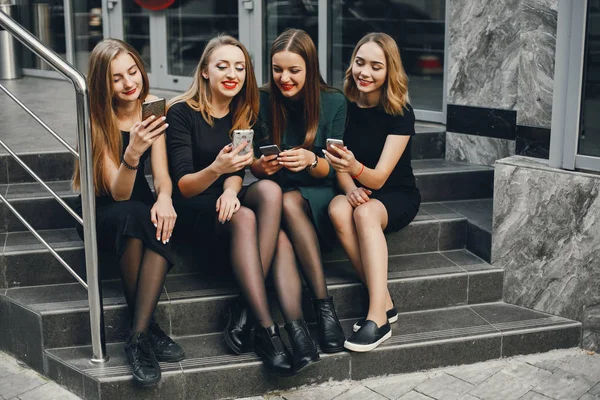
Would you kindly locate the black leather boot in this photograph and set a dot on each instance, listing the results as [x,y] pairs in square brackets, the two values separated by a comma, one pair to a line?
[331,335]
[165,349]
[303,348]
[271,349]
[144,365]
[238,326]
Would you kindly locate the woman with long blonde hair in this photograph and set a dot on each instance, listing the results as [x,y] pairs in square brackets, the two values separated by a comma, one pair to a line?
[133,227]
[376,176]
[208,174]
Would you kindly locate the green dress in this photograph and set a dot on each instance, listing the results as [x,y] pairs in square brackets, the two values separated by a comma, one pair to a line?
[332,123]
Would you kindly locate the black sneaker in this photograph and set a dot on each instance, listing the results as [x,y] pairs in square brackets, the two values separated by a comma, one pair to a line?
[392,316]
[144,365]
[165,349]
[368,337]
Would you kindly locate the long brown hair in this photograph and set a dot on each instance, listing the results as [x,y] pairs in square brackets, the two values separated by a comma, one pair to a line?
[245,104]
[106,137]
[394,91]
[299,42]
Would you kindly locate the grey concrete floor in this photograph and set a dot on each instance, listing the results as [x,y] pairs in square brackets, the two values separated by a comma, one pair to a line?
[556,375]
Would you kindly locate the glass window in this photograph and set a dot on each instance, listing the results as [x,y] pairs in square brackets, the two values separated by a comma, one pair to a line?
[417,26]
[191,24]
[87,24]
[46,20]
[589,138]
[282,14]
[136,30]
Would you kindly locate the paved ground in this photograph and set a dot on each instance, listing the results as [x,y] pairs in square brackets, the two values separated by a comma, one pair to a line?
[558,375]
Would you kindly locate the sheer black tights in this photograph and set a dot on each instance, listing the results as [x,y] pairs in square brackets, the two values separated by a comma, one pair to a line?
[146,269]
[246,263]
[303,237]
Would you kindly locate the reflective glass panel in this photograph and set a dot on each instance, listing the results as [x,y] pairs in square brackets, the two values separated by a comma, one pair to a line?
[136,30]
[46,20]
[88,30]
[417,26]
[589,138]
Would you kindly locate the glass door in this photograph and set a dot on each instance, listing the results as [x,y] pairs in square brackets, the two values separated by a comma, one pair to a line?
[171,40]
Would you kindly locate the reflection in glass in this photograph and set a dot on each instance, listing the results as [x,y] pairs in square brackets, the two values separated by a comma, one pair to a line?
[87,29]
[191,24]
[136,30]
[282,14]
[417,26]
[589,139]
[46,20]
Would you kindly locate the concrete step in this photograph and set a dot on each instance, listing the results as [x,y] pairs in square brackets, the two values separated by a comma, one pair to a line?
[437,179]
[421,340]
[430,142]
[26,262]
[34,318]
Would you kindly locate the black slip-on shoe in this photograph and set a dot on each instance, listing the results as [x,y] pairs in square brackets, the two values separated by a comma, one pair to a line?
[165,349]
[304,349]
[368,337]
[330,332]
[271,349]
[144,365]
[238,326]
[392,316]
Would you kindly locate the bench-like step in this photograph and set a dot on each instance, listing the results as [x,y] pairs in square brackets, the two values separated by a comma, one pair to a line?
[421,340]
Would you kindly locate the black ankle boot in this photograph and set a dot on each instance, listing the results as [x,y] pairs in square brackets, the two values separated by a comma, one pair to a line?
[271,349]
[165,349]
[331,335]
[144,364]
[303,348]
[238,326]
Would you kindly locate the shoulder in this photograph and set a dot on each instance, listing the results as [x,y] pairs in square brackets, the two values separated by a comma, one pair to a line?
[333,97]
[180,108]
[264,97]
[403,124]
[408,114]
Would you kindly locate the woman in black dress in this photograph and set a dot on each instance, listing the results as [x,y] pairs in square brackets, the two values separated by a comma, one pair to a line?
[133,227]
[374,171]
[208,175]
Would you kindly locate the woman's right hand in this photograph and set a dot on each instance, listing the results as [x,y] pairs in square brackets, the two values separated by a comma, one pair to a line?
[229,160]
[270,164]
[143,134]
[358,196]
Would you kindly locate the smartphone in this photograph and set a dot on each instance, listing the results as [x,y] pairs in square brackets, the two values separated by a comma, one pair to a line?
[239,135]
[336,142]
[154,107]
[269,150]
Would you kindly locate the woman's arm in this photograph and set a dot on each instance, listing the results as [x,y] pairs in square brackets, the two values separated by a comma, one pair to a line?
[162,214]
[228,203]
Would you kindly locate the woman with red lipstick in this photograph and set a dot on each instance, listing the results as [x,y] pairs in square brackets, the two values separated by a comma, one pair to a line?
[208,174]
[299,112]
[133,227]
[376,176]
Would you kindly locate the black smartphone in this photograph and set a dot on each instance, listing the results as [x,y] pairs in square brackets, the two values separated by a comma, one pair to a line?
[269,150]
[154,107]
[240,135]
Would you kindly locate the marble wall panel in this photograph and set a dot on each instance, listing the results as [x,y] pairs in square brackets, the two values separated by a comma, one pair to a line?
[477,149]
[536,62]
[546,235]
[483,52]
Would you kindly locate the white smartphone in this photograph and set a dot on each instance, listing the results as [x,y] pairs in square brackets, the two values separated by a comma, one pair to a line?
[336,142]
[239,135]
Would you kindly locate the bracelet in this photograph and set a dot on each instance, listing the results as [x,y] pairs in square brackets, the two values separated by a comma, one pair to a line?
[128,166]
[361,171]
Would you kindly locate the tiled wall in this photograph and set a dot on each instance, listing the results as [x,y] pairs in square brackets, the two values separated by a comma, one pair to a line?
[501,71]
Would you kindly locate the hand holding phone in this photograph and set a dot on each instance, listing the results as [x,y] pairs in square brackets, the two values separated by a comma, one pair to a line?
[269,150]
[239,135]
[270,164]
[335,142]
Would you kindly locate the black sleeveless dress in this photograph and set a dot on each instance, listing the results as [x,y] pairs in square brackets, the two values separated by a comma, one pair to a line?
[116,221]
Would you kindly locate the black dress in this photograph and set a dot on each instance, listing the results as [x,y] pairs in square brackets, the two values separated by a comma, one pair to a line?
[366,133]
[116,221]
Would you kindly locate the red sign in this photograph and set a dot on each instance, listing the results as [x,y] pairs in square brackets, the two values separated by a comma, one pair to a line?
[154,5]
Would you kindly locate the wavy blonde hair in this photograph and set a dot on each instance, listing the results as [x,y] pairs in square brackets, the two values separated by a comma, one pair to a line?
[106,136]
[245,104]
[394,91]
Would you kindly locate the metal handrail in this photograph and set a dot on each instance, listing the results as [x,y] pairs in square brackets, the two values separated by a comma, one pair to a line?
[88,199]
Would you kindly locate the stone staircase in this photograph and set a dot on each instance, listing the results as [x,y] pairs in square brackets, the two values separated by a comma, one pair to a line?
[449,296]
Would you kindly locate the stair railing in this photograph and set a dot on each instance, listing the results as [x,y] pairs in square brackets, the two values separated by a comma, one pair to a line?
[88,198]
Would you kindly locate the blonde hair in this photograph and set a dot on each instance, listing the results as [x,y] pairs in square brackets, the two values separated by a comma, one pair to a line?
[394,91]
[106,136]
[245,104]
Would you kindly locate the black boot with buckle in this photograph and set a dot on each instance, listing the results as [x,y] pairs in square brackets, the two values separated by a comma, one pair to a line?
[331,335]
[144,365]
[165,349]
[238,326]
[303,348]
[271,349]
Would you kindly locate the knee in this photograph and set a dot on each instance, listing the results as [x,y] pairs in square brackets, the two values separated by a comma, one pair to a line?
[292,204]
[340,211]
[270,193]
[283,242]
[364,214]
[244,217]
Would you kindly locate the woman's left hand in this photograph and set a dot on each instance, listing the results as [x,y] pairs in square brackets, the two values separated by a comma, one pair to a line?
[343,161]
[227,205]
[296,159]
[163,217]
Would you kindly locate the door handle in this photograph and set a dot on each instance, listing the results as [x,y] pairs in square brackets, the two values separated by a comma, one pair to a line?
[248,4]
[110,4]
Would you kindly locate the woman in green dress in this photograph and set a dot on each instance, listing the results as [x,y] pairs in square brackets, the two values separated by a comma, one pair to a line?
[298,113]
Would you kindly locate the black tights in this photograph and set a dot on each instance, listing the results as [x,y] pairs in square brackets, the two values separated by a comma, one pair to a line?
[145,269]
[303,239]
